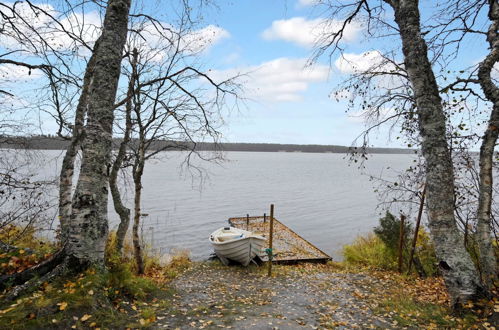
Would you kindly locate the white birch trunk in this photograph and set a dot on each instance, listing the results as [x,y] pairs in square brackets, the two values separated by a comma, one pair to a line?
[460,275]
[488,260]
[88,229]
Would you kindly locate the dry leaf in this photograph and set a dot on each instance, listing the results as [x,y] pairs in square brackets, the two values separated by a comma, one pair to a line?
[85,317]
[62,305]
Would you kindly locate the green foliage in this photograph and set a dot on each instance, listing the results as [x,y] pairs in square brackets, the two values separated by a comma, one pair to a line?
[369,251]
[111,298]
[380,250]
[425,251]
[389,231]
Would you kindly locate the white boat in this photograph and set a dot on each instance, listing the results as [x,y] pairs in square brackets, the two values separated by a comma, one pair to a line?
[237,244]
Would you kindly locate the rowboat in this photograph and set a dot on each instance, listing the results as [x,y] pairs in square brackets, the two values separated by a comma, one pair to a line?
[237,244]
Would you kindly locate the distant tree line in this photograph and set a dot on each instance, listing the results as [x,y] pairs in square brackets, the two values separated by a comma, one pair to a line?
[47,142]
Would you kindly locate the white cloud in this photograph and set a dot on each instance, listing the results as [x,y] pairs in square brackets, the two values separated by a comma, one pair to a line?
[43,30]
[307,33]
[357,63]
[10,72]
[306,3]
[202,40]
[157,41]
[279,80]
[87,27]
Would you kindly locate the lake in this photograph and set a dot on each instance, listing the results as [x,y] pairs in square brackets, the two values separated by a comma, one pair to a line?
[321,196]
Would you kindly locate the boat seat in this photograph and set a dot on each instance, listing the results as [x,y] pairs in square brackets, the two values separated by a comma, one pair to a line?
[228,237]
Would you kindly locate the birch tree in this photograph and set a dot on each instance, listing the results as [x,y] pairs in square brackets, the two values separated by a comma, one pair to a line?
[87,233]
[425,105]
[171,104]
[488,260]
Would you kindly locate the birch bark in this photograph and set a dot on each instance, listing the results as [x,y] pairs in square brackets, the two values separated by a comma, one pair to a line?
[68,162]
[488,260]
[138,171]
[122,210]
[88,228]
[459,273]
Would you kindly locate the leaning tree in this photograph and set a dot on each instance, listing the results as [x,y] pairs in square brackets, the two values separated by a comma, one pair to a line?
[87,233]
[408,88]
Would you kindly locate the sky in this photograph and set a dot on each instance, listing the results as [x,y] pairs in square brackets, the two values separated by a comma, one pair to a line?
[286,100]
[290,102]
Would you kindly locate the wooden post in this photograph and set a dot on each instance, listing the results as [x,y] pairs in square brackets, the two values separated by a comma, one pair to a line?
[271,236]
[416,230]
[401,241]
[264,217]
[247,221]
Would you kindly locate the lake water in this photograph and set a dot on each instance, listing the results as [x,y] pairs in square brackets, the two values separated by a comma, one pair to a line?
[320,196]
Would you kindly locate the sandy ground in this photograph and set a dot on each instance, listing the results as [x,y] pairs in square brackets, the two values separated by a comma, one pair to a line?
[212,296]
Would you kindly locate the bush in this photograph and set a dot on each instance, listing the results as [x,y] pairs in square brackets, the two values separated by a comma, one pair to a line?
[380,250]
[389,231]
[369,251]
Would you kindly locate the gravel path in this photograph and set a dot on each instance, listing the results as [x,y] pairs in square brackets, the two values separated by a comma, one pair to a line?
[211,296]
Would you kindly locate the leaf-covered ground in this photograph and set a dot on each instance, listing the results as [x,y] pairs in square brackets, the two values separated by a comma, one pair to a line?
[208,295]
[211,296]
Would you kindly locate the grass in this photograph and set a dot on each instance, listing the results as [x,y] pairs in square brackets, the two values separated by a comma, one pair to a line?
[369,251]
[114,298]
[409,312]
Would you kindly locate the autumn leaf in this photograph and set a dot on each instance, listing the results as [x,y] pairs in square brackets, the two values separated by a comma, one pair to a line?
[85,317]
[91,292]
[62,305]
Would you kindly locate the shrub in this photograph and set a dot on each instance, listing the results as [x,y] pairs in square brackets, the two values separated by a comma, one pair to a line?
[389,231]
[369,251]
[380,250]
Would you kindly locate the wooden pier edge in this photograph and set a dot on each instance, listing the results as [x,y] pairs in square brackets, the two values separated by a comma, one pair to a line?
[287,239]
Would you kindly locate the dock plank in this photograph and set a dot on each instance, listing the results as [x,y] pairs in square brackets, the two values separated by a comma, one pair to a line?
[289,247]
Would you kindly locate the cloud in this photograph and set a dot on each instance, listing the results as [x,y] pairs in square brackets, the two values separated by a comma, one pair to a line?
[373,64]
[201,40]
[308,33]
[46,26]
[157,38]
[279,80]
[306,3]
[358,63]
[160,41]
[9,72]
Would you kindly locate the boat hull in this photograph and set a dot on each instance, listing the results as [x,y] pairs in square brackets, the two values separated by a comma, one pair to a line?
[241,250]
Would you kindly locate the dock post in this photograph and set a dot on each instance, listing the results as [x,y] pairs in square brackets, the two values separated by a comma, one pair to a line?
[247,221]
[271,236]
[401,242]
[264,217]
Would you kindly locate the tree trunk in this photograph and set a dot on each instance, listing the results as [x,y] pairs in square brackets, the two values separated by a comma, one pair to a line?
[137,179]
[122,210]
[89,224]
[460,275]
[488,261]
[68,163]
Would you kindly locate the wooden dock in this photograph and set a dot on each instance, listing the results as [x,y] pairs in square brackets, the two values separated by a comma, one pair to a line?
[288,246]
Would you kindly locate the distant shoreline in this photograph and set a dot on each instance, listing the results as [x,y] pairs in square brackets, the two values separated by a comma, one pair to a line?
[56,143]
